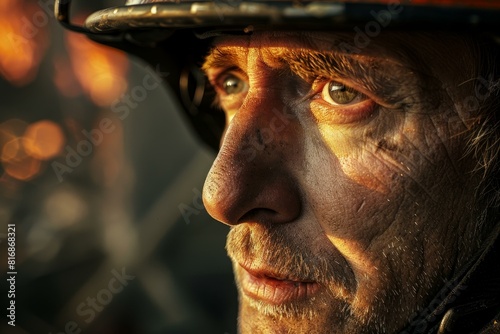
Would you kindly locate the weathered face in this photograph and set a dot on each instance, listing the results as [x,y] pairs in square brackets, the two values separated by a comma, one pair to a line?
[342,176]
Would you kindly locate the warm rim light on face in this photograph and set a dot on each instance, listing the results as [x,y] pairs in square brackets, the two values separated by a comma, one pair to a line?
[365,197]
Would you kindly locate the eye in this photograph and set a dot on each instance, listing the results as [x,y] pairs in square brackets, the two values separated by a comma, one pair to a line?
[230,87]
[339,94]
[232,84]
[338,103]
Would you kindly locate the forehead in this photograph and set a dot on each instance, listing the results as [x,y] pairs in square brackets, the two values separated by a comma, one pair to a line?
[318,40]
[391,45]
[420,48]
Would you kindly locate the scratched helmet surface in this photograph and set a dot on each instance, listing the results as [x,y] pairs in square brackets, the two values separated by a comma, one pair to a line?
[173,36]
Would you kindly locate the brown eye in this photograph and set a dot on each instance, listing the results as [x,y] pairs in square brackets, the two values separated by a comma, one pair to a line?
[339,94]
[231,84]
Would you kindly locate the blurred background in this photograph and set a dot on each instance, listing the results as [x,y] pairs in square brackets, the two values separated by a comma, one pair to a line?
[102,180]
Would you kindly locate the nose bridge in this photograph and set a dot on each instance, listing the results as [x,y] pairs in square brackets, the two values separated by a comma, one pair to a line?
[261,122]
[263,118]
[249,179]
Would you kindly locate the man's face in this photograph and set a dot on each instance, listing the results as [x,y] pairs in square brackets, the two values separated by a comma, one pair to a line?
[342,176]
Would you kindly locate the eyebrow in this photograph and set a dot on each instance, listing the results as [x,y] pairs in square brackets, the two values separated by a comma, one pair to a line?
[305,63]
[219,58]
[377,75]
[311,64]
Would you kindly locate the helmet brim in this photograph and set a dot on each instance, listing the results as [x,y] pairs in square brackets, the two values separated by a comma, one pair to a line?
[286,15]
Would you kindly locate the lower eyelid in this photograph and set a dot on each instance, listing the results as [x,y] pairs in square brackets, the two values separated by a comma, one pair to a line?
[328,113]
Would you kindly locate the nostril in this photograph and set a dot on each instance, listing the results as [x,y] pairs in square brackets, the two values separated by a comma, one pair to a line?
[261,215]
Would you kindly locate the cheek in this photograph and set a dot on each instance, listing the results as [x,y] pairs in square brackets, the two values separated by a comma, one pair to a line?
[358,189]
[361,160]
[354,192]
[370,173]
[373,189]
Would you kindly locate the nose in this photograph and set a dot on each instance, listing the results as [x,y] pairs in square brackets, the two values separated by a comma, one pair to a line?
[252,178]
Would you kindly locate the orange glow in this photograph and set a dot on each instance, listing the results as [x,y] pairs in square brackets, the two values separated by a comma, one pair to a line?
[23,146]
[11,129]
[23,169]
[43,140]
[10,145]
[100,71]
[23,40]
[17,163]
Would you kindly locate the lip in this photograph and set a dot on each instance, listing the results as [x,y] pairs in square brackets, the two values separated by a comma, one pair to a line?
[269,287]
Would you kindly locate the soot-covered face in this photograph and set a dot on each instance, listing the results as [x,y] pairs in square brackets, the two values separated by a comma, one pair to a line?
[343,176]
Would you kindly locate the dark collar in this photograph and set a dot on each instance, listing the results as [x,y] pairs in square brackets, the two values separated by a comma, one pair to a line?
[468,303]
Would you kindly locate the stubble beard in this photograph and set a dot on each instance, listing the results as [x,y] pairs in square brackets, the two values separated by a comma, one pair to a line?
[328,311]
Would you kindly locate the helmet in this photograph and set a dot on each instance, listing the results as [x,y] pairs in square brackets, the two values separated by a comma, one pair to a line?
[174,35]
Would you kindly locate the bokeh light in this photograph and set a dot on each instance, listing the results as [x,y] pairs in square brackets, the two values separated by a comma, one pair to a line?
[64,208]
[44,139]
[24,147]
[100,71]
[17,163]
[23,40]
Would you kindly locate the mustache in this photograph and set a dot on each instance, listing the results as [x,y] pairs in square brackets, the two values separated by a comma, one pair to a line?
[288,255]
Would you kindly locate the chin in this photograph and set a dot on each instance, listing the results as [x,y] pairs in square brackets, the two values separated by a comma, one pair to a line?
[270,305]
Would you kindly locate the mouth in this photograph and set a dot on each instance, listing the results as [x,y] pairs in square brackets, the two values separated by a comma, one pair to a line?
[272,288]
